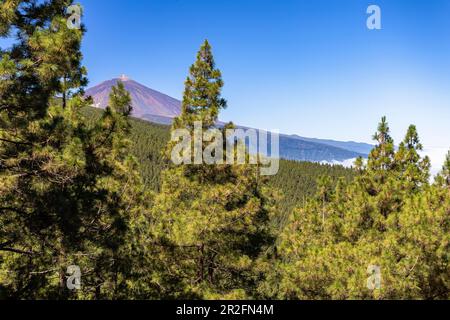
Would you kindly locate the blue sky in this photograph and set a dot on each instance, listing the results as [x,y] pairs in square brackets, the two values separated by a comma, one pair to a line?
[305,67]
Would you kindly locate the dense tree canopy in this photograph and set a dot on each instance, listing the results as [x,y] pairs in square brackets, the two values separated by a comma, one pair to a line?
[389,216]
[95,190]
[215,217]
[67,190]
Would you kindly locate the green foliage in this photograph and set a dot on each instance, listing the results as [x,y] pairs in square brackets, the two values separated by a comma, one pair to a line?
[215,218]
[94,188]
[70,193]
[444,177]
[298,181]
[148,142]
[388,216]
[295,181]
[201,99]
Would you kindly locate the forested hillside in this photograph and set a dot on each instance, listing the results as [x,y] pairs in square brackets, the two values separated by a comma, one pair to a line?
[159,108]
[296,180]
[93,205]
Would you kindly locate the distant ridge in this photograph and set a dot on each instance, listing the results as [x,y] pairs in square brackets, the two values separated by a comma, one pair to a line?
[157,107]
[360,147]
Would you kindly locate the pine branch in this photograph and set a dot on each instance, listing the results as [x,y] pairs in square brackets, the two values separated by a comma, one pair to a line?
[16,142]
[29,253]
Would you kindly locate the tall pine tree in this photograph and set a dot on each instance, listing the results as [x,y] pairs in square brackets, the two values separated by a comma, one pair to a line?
[389,219]
[213,219]
[68,191]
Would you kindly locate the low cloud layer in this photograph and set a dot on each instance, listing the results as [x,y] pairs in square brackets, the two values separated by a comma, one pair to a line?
[437,156]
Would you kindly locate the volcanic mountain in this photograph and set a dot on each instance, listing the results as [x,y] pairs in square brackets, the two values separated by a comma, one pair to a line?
[154,106]
[147,103]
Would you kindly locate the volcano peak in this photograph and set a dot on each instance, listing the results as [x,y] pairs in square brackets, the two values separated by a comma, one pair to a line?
[124,77]
[145,101]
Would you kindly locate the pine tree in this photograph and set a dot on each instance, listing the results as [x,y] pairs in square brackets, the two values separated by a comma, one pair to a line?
[33,133]
[68,191]
[446,170]
[389,217]
[202,100]
[381,157]
[414,170]
[213,219]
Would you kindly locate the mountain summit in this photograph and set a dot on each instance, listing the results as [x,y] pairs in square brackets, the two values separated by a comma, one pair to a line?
[147,103]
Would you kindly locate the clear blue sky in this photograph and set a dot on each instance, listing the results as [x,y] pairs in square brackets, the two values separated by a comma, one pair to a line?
[305,67]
